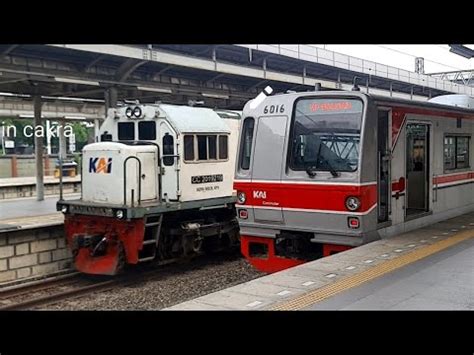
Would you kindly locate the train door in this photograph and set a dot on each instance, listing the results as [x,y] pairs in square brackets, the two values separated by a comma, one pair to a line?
[383,165]
[417,169]
[169,163]
[148,176]
[267,165]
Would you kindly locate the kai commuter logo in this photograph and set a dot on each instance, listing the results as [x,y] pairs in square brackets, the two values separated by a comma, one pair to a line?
[100,165]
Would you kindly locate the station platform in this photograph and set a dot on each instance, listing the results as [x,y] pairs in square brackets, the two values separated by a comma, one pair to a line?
[429,268]
[18,187]
[32,243]
[28,207]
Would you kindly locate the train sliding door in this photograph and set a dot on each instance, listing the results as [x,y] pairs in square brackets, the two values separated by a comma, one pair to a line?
[417,169]
[383,166]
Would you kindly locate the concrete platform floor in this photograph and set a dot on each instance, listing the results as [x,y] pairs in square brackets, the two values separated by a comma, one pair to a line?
[430,268]
[29,207]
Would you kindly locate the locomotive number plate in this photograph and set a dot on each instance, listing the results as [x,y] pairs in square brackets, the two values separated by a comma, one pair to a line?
[202,179]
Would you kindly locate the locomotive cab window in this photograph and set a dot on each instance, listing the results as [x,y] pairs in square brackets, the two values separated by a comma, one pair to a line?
[188,147]
[126,131]
[209,148]
[456,152]
[326,135]
[168,150]
[202,147]
[246,145]
[223,149]
[212,141]
[146,130]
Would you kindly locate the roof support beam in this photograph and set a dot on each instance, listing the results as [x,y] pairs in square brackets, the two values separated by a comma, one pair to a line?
[127,68]
[9,49]
[94,62]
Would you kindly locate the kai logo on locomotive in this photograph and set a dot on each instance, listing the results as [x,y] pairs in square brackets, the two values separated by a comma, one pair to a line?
[100,165]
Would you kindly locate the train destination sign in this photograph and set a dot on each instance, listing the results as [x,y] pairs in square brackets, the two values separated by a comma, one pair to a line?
[330,106]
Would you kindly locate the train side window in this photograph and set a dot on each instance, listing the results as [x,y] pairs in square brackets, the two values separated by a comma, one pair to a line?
[223,147]
[246,146]
[462,152]
[456,152]
[202,147]
[188,147]
[147,130]
[126,131]
[168,149]
[212,141]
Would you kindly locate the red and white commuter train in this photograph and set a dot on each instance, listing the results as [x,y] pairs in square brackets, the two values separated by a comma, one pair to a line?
[320,172]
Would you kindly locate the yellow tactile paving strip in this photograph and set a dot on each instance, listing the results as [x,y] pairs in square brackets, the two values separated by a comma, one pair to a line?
[330,290]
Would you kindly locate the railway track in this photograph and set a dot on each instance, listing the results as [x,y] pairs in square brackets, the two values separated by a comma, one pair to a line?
[49,291]
[67,287]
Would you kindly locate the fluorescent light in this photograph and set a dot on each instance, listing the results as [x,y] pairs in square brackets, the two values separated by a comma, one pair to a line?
[145,88]
[67,98]
[77,81]
[216,96]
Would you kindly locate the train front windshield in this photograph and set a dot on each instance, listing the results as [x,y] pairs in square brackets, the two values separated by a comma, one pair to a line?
[326,135]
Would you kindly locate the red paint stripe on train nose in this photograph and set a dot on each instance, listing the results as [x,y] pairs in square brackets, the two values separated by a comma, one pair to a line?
[306,196]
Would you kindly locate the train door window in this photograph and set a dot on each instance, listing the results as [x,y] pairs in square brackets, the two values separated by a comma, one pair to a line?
[202,147]
[147,130]
[417,169]
[223,148]
[126,131]
[456,152]
[212,142]
[168,149]
[188,147]
[383,163]
[246,146]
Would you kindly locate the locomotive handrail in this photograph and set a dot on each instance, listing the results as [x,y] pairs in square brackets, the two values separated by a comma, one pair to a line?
[125,180]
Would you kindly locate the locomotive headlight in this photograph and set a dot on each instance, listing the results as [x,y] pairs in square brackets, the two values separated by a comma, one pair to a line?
[64,209]
[241,198]
[119,214]
[137,111]
[352,203]
[129,112]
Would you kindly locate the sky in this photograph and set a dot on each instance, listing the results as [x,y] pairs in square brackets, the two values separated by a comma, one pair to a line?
[438,58]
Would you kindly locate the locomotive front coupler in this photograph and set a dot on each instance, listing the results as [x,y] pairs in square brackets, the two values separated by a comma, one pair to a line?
[96,242]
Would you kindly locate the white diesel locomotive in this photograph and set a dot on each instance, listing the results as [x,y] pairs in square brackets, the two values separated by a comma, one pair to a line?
[157,184]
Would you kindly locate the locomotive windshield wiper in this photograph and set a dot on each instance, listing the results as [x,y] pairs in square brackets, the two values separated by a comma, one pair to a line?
[311,171]
[333,171]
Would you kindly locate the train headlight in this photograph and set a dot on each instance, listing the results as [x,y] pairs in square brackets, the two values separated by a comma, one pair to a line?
[64,209]
[137,111]
[119,214]
[352,203]
[129,112]
[241,198]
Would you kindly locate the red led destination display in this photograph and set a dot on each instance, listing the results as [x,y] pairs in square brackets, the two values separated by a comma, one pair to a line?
[330,106]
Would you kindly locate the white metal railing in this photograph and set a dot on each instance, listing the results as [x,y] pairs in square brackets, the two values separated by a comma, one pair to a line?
[324,56]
